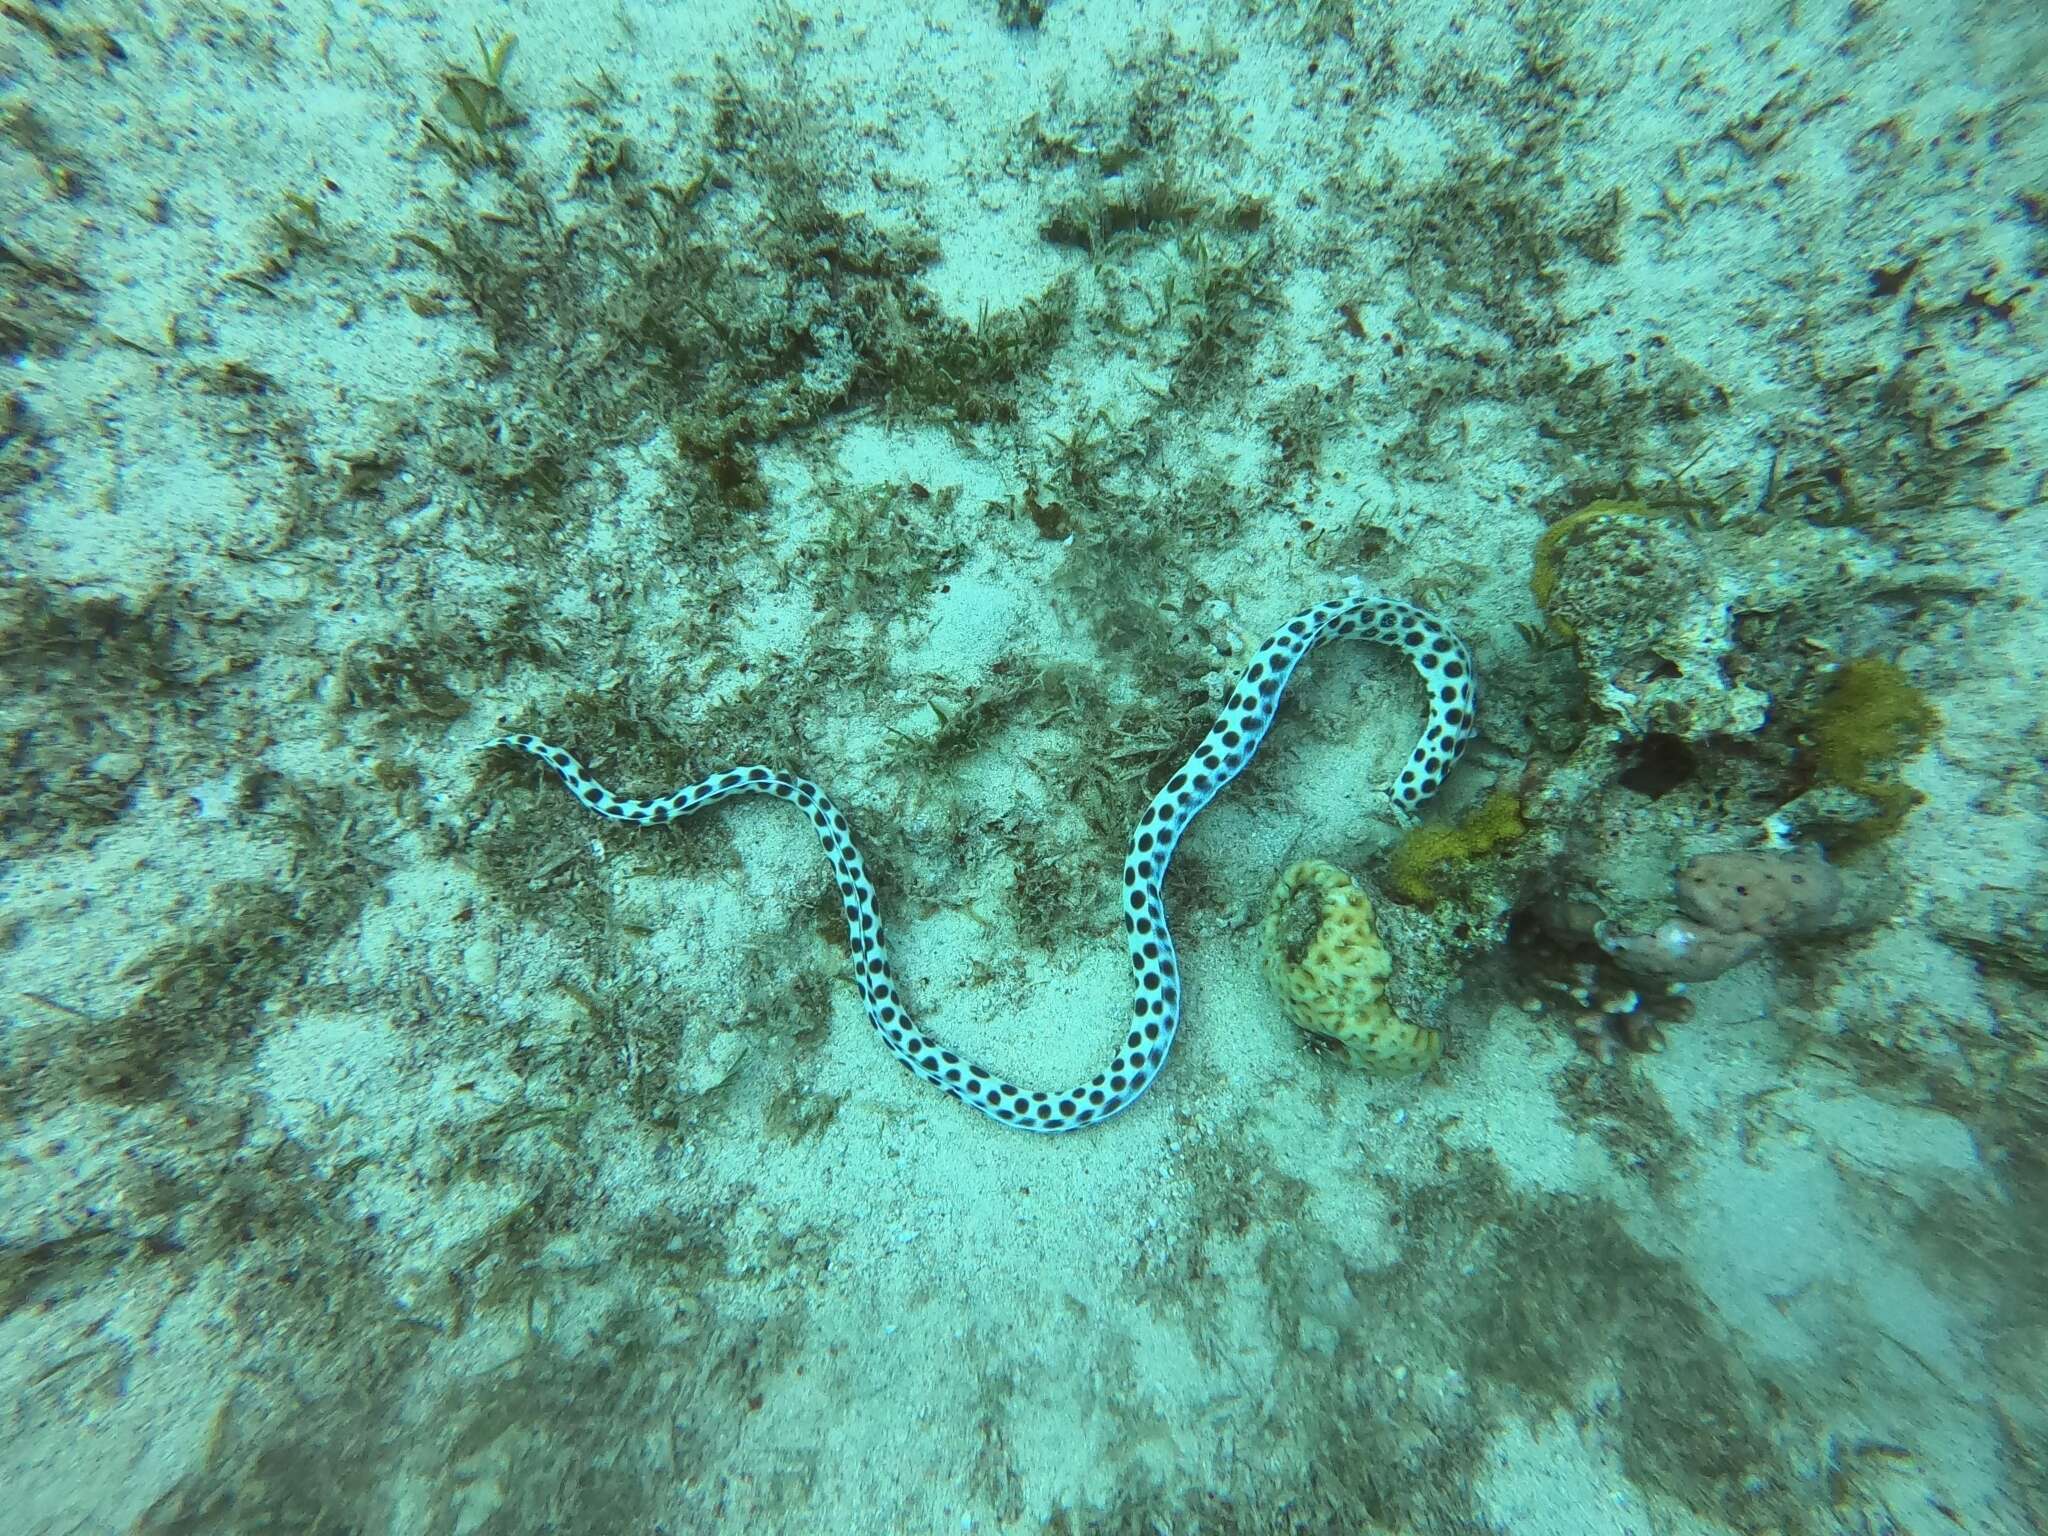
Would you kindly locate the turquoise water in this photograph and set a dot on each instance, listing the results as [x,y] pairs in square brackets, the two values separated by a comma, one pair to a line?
[1615,1106]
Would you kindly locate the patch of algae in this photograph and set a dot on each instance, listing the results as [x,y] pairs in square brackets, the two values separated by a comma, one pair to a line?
[1872,719]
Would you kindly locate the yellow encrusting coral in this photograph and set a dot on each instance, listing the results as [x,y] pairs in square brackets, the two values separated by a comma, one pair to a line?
[1424,855]
[1324,959]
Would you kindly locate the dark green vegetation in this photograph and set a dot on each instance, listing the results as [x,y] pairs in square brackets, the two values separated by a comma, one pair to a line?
[93,673]
[733,307]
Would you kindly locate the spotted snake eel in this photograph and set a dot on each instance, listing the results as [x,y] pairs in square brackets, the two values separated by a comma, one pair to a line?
[1437,653]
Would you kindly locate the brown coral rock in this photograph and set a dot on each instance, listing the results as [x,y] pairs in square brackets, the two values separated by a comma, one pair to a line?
[1682,951]
[1765,891]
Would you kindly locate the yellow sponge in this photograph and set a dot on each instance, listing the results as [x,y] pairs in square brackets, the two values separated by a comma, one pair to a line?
[1325,960]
